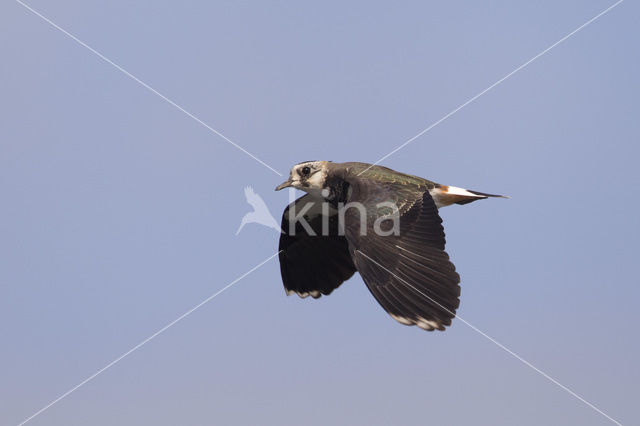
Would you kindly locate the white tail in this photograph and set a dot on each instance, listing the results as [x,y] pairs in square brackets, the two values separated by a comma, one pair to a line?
[445,195]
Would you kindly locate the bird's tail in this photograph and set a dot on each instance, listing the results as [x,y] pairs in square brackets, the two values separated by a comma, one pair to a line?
[446,195]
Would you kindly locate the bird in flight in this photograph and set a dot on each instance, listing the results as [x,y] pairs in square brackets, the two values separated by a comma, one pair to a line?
[379,222]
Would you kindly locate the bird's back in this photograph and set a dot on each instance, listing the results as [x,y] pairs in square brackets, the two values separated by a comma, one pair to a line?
[382,174]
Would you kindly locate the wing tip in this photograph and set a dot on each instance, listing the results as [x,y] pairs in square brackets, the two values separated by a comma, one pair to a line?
[423,323]
[316,294]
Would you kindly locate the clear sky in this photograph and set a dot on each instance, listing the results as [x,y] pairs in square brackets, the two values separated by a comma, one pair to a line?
[119,211]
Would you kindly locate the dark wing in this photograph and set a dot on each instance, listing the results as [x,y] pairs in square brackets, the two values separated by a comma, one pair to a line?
[313,265]
[409,274]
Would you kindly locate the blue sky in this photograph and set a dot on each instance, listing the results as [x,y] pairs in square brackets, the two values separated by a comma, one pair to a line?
[119,211]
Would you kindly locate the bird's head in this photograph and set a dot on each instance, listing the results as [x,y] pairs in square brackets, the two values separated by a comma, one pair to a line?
[308,176]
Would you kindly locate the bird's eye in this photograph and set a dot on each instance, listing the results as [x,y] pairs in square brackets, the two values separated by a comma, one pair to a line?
[306,170]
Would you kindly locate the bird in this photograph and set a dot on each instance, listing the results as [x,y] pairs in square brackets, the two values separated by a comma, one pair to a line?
[383,224]
[260,213]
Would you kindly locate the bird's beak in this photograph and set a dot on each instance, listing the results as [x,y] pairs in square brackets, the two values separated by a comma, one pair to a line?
[284,185]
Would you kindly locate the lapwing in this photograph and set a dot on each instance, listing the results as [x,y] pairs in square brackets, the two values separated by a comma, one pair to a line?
[379,222]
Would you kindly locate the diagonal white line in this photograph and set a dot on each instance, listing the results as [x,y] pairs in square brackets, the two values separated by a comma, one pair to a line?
[494,85]
[500,345]
[145,85]
[145,341]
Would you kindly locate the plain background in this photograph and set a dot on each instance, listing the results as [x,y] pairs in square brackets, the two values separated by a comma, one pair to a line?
[119,212]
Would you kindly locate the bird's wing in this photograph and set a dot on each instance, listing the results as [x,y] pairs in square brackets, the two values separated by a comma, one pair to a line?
[313,265]
[409,274]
